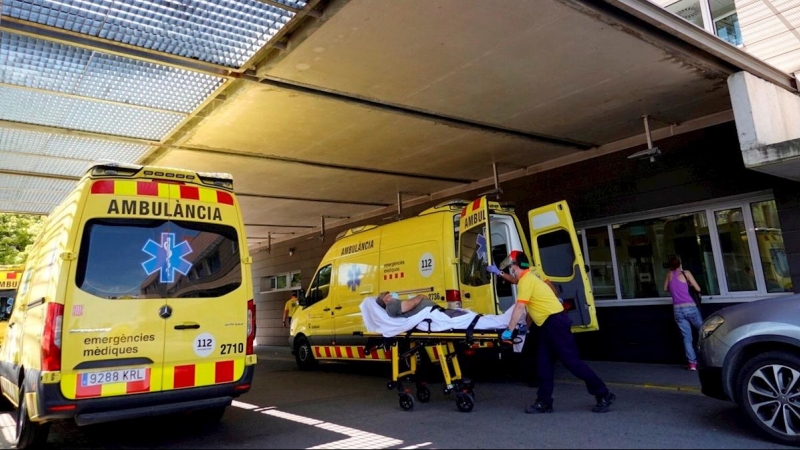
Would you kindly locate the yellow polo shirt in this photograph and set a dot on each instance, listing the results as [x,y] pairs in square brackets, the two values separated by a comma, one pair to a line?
[539,299]
[291,306]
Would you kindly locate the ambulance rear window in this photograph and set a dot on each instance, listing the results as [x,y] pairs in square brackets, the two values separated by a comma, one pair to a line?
[137,259]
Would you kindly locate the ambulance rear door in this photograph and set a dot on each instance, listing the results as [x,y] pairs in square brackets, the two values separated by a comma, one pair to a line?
[202,281]
[113,335]
[557,256]
[474,255]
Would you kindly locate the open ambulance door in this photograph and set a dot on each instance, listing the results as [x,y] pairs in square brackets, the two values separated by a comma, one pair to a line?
[558,257]
[474,255]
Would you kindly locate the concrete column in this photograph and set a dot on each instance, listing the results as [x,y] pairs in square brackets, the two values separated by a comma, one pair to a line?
[768,124]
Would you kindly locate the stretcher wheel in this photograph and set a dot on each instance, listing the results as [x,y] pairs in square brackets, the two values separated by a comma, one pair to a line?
[423,394]
[464,402]
[406,402]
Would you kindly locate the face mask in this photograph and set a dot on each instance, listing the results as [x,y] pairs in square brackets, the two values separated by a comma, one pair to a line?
[513,271]
[394,295]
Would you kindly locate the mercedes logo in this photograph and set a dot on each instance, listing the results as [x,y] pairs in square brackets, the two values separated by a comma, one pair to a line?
[165,312]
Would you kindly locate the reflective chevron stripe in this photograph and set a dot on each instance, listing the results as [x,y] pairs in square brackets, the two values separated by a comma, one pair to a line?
[350,352]
[156,379]
[161,190]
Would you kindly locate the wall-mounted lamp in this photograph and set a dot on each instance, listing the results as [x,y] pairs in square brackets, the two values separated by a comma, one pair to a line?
[291,251]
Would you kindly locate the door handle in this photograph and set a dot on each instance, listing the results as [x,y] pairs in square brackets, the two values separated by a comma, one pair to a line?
[187,326]
[466,294]
[326,309]
[338,307]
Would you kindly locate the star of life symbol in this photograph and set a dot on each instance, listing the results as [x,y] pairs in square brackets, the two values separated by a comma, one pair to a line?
[167,257]
[481,250]
[354,277]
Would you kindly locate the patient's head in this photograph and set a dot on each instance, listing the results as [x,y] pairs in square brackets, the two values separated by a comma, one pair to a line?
[385,297]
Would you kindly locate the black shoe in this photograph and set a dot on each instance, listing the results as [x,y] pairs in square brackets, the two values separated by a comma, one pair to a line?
[604,402]
[539,407]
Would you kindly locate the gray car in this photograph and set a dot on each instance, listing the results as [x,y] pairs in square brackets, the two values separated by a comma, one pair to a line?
[750,354]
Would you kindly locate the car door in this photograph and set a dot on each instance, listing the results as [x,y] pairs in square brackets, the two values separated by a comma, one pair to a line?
[557,256]
[474,255]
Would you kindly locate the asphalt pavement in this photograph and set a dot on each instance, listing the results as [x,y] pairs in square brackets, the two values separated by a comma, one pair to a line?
[347,405]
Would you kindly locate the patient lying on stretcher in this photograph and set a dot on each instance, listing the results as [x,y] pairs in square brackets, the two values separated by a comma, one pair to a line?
[429,317]
[391,302]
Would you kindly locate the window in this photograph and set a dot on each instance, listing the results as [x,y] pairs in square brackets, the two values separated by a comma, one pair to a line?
[473,257]
[320,286]
[689,10]
[726,21]
[735,249]
[771,251]
[718,17]
[6,302]
[601,264]
[732,247]
[136,258]
[280,282]
[643,248]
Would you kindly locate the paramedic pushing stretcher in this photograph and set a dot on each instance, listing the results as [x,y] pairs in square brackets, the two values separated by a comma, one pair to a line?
[555,338]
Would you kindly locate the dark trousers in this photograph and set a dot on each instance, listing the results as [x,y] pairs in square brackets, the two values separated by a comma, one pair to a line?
[555,340]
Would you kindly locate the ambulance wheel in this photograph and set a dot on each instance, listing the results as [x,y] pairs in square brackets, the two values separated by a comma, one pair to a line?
[406,402]
[304,355]
[29,434]
[423,394]
[464,402]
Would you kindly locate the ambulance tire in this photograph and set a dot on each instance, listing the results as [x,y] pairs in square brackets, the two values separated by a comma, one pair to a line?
[304,355]
[29,434]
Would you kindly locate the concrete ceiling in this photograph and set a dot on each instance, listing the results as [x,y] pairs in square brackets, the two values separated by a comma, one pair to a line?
[426,99]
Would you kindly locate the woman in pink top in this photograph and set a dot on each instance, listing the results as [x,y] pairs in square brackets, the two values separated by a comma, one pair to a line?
[686,313]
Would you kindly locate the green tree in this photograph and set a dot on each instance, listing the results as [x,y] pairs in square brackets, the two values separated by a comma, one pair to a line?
[17,233]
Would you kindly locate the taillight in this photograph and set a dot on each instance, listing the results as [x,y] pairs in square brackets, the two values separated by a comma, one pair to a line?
[453,298]
[51,338]
[251,325]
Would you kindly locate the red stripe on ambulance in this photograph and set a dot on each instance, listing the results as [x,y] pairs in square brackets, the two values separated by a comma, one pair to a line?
[139,386]
[184,376]
[87,391]
[223,372]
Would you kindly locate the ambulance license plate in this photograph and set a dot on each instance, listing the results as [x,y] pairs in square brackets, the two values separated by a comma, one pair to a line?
[112,376]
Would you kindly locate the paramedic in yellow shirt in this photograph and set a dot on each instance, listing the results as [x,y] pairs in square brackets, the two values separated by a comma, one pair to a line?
[554,337]
[289,309]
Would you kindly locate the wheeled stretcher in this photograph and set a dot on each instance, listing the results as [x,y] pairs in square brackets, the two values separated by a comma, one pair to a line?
[407,337]
[406,348]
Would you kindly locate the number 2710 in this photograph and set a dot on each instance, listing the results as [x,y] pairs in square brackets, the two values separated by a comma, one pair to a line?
[227,349]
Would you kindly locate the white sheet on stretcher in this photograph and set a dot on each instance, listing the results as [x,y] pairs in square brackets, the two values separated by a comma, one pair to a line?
[378,321]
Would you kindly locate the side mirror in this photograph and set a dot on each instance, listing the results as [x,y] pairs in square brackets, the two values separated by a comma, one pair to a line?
[301,299]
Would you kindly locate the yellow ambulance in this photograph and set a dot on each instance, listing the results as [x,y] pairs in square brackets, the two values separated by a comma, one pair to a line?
[442,253]
[9,280]
[136,300]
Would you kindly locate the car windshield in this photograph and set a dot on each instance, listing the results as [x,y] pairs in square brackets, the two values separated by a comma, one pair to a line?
[129,259]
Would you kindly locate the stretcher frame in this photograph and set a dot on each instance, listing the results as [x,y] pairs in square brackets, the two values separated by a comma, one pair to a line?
[444,343]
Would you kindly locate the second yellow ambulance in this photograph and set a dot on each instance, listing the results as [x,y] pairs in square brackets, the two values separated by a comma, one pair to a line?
[442,253]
